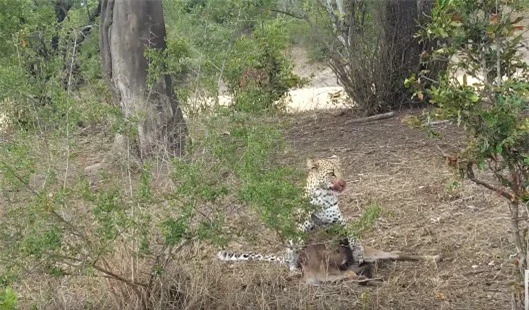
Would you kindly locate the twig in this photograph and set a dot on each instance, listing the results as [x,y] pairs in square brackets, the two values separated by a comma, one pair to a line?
[173,251]
[71,65]
[133,262]
[429,79]
[516,233]
[71,227]
[498,84]
[118,277]
[371,118]
[475,272]
[526,289]
[67,147]
[29,188]
[166,258]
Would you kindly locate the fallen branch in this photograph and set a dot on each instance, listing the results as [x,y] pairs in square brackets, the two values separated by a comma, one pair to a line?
[437,122]
[370,118]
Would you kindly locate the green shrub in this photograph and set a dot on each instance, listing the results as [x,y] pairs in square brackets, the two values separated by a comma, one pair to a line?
[483,40]
[258,72]
[8,299]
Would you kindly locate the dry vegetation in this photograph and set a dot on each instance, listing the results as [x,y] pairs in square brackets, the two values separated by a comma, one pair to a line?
[387,163]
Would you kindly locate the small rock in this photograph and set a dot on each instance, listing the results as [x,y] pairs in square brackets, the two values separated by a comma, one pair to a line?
[435,220]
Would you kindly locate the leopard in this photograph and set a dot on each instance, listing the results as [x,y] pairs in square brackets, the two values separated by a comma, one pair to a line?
[323,185]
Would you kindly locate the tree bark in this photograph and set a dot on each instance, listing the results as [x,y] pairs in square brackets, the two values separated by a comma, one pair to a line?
[400,27]
[128,27]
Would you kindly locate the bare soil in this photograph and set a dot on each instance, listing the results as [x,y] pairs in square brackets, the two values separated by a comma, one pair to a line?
[402,170]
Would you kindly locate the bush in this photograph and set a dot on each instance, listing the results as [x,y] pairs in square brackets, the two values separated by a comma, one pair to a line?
[258,72]
[129,230]
[42,57]
[8,299]
[483,42]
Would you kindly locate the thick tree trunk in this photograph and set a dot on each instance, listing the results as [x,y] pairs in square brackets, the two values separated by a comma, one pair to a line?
[400,27]
[128,27]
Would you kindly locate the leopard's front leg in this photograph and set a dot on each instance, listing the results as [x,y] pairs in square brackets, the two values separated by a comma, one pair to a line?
[293,246]
[356,247]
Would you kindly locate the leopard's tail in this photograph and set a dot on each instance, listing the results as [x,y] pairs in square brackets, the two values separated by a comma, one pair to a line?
[238,257]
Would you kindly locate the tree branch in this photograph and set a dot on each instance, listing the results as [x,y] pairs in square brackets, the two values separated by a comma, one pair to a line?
[70,226]
[107,9]
[472,177]
[118,277]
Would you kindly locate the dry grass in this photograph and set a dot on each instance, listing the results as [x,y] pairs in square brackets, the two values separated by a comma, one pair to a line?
[385,162]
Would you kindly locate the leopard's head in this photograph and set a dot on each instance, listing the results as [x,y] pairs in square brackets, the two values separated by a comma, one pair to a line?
[325,173]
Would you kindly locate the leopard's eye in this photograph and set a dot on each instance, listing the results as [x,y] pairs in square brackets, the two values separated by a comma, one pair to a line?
[331,173]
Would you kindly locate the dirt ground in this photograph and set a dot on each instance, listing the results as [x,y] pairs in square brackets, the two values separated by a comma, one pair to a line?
[402,170]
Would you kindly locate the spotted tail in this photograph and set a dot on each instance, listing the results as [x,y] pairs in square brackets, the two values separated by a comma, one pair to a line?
[237,257]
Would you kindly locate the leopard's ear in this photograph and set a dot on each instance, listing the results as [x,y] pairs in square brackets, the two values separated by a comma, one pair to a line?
[311,164]
[335,159]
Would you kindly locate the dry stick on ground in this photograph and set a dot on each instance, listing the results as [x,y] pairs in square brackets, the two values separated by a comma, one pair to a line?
[371,118]
[446,121]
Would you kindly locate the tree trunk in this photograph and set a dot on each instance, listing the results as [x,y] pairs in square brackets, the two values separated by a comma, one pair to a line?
[403,20]
[127,28]
[400,26]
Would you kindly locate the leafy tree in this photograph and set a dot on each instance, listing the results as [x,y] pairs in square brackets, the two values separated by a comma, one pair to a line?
[258,73]
[484,89]
[47,51]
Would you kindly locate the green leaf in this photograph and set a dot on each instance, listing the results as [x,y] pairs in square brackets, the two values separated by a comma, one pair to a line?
[473,97]
[8,299]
